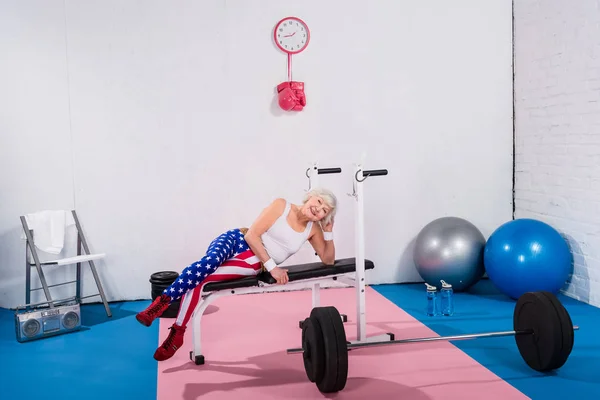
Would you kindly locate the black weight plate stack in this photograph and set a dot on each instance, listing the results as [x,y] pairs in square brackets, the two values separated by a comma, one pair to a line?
[544,349]
[335,368]
[567,332]
[160,281]
[313,349]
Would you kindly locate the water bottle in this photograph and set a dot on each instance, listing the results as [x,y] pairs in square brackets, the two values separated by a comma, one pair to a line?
[432,300]
[447,299]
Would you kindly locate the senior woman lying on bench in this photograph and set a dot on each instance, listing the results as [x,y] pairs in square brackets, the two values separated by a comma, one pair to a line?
[279,232]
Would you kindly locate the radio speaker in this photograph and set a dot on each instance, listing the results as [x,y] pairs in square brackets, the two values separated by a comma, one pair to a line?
[38,324]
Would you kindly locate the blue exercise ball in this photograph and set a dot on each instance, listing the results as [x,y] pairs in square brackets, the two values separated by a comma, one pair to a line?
[527,255]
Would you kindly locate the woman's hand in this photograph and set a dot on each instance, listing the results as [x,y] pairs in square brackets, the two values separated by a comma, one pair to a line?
[280,275]
[328,227]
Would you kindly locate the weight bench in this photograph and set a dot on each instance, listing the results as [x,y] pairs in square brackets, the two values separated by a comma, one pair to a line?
[299,276]
[348,271]
[300,272]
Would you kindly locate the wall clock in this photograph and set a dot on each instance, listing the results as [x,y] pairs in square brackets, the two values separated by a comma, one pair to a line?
[291,35]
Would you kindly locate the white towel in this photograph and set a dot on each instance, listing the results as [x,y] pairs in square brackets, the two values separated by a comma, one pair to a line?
[49,229]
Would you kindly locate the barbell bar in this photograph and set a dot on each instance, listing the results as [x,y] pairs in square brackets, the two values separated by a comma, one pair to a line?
[542,327]
[469,336]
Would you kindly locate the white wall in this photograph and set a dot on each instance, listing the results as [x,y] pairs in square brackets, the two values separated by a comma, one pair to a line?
[557,86]
[36,146]
[165,128]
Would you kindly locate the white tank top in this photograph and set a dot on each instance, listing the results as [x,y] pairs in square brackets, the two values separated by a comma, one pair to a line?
[281,241]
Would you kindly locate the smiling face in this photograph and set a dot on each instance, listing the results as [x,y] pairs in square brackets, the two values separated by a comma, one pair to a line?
[319,205]
[315,208]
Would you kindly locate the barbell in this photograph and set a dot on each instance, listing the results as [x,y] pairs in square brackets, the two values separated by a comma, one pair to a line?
[542,327]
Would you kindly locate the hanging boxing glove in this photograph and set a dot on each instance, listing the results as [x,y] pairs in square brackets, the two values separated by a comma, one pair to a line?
[298,88]
[287,98]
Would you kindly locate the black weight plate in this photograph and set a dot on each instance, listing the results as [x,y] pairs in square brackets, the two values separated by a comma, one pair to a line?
[535,312]
[567,333]
[313,349]
[342,344]
[335,371]
[167,277]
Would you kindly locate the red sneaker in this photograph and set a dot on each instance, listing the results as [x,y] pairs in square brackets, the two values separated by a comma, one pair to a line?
[171,344]
[154,310]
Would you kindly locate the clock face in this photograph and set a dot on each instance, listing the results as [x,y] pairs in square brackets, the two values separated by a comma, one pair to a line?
[291,35]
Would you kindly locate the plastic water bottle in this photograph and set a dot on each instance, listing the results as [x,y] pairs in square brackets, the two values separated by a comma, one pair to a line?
[447,299]
[432,300]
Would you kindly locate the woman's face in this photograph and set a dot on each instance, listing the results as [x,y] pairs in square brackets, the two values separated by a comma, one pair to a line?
[315,209]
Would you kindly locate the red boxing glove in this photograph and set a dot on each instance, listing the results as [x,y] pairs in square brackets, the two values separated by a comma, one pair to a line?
[291,96]
[298,88]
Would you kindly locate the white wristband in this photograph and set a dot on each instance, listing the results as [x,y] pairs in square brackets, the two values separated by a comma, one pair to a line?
[270,264]
[328,236]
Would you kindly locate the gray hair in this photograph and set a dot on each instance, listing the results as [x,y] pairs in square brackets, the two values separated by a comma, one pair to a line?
[328,197]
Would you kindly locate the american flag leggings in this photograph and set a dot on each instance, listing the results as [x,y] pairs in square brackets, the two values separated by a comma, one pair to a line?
[228,257]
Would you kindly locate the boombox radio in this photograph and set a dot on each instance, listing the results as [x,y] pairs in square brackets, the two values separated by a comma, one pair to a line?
[38,324]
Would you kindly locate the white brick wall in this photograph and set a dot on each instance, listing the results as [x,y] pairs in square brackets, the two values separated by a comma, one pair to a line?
[557,117]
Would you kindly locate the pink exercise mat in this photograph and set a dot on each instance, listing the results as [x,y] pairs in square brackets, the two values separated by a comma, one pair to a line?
[245,340]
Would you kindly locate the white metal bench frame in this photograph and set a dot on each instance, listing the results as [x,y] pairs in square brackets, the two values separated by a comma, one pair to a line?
[353,279]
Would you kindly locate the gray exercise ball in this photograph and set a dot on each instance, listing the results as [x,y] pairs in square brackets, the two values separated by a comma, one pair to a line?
[450,249]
